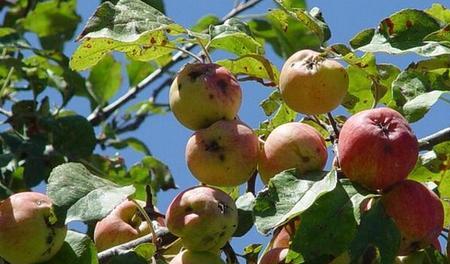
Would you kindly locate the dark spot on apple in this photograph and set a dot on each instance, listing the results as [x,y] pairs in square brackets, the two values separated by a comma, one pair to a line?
[195,74]
[188,209]
[222,84]
[292,65]
[387,149]
[212,146]
[211,96]
[222,234]
[222,157]
[305,159]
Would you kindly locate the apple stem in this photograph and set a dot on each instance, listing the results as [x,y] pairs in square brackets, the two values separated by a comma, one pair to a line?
[334,126]
[149,222]
[230,254]
[185,51]
[205,50]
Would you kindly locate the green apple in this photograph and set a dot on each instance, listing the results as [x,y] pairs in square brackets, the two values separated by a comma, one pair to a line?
[224,154]
[202,94]
[196,257]
[29,232]
[311,84]
[292,145]
[205,218]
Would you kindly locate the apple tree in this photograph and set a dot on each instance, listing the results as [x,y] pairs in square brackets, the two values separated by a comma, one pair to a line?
[382,198]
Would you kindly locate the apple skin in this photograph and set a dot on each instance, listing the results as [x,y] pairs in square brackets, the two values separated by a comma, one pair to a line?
[275,256]
[310,84]
[377,148]
[27,232]
[417,212]
[123,224]
[202,94]
[193,257]
[224,154]
[205,218]
[283,235]
[292,145]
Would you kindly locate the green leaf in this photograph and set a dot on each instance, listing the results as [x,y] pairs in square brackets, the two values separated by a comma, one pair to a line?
[234,36]
[440,12]
[415,109]
[442,36]
[427,168]
[105,79]
[133,143]
[77,248]
[83,195]
[130,26]
[137,71]
[290,4]
[73,136]
[205,22]
[287,196]
[359,94]
[245,205]
[315,230]
[379,230]
[252,65]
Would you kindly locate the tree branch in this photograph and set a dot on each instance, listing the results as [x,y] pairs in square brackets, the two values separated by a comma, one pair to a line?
[428,142]
[101,114]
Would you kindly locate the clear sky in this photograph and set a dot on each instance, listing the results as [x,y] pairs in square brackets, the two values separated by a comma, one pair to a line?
[166,138]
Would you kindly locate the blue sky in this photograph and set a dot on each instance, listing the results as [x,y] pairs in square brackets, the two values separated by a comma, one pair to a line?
[166,138]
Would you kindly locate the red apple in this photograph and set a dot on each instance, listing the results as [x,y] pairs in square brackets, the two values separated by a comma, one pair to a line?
[123,224]
[283,235]
[224,154]
[28,229]
[377,148]
[204,218]
[311,84]
[292,145]
[417,212]
[192,257]
[202,94]
[275,256]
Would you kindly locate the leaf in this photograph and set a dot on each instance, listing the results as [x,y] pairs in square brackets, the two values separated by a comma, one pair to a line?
[133,143]
[73,136]
[379,230]
[105,79]
[427,168]
[77,248]
[286,197]
[137,71]
[245,205]
[82,195]
[205,22]
[252,65]
[439,11]
[130,26]
[415,109]
[315,230]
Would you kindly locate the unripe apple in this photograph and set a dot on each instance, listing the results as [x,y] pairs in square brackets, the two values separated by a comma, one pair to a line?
[123,224]
[224,154]
[292,145]
[417,212]
[202,94]
[196,257]
[377,148]
[283,235]
[275,256]
[29,232]
[205,218]
[311,84]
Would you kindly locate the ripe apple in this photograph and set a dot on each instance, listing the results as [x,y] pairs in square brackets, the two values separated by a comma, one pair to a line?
[275,256]
[205,218]
[377,148]
[123,224]
[224,154]
[199,257]
[292,145]
[283,235]
[28,229]
[311,84]
[202,94]
[417,212]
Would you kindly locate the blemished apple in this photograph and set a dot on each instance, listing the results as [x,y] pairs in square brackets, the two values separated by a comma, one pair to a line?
[202,94]
[283,235]
[196,257]
[377,148]
[224,154]
[311,84]
[205,218]
[417,212]
[275,256]
[292,145]
[29,232]
[123,224]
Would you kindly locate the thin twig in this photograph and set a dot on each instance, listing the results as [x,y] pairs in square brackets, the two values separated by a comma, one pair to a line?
[230,254]
[333,125]
[251,183]
[5,112]
[149,222]
[428,142]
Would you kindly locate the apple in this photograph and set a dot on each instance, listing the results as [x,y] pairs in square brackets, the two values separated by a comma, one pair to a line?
[292,145]
[29,232]
[311,84]
[205,218]
[192,257]
[275,256]
[377,148]
[202,94]
[123,224]
[417,212]
[224,154]
[283,235]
